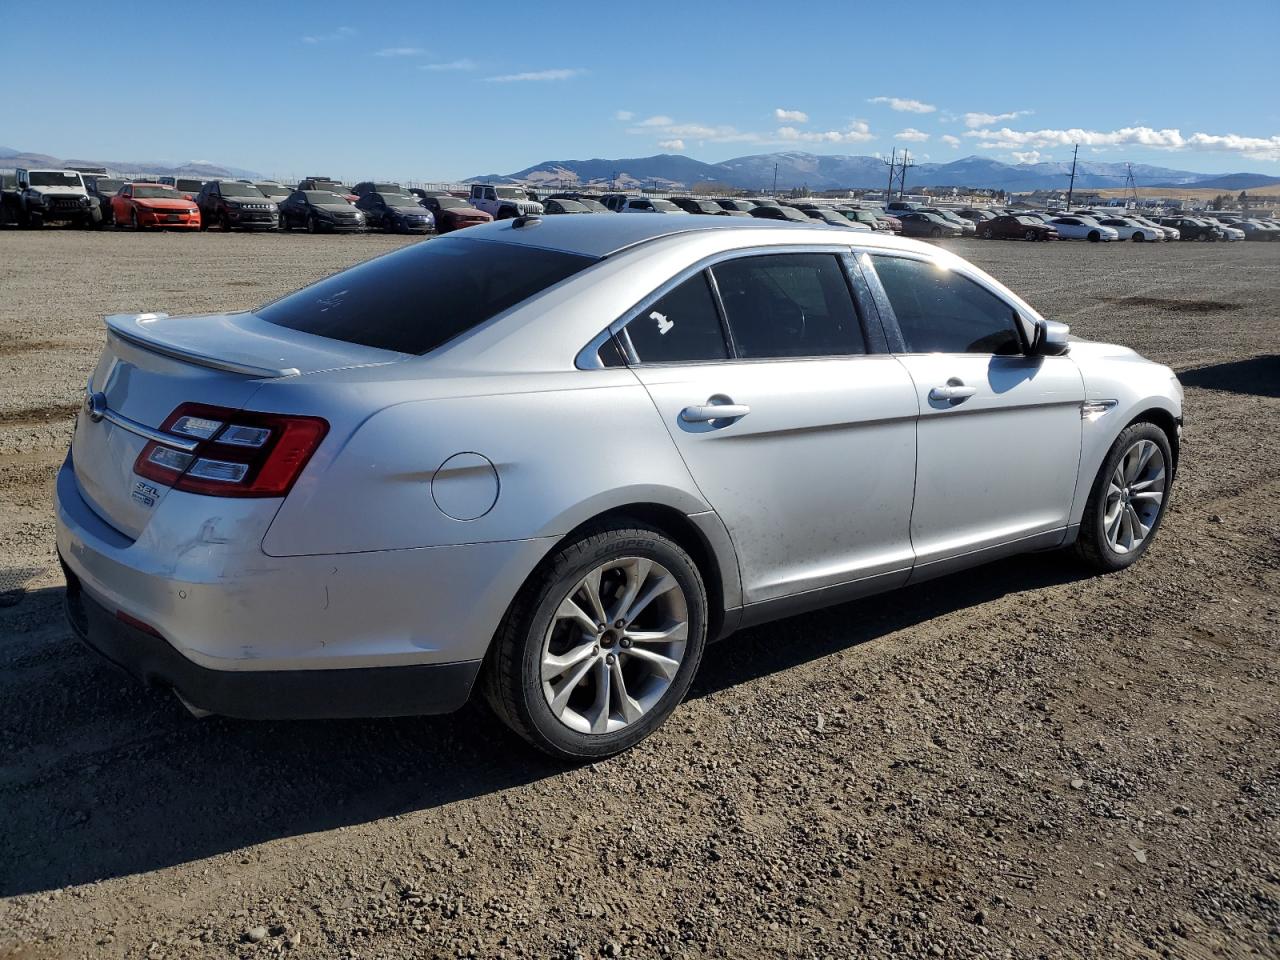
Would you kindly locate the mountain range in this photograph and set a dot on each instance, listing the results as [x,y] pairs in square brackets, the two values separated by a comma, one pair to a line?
[169,168]
[756,172]
[835,172]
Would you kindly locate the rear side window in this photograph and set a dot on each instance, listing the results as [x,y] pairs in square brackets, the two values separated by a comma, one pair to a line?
[940,311]
[789,305]
[683,326]
[424,295]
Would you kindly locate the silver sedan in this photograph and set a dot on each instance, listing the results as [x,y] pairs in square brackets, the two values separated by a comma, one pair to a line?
[552,459]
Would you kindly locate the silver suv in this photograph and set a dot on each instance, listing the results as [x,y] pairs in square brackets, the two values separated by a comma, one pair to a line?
[554,458]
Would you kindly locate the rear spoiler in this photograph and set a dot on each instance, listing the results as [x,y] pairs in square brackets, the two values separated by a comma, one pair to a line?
[132,328]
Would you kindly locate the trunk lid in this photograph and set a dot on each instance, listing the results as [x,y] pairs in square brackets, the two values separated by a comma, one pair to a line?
[152,363]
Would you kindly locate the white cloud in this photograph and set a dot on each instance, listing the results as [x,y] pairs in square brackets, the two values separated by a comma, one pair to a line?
[1255,148]
[790,116]
[911,134]
[400,52]
[904,106]
[949,140]
[464,64]
[624,115]
[671,131]
[560,73]
[1029,156]
[342,33]
[676,144]
[858,132]
[973,120]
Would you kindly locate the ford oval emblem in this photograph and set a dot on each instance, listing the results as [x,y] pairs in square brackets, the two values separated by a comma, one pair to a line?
[95,404]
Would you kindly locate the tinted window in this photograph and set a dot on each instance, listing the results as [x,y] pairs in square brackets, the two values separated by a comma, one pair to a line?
[681,327]
[940,311]
[420,297]
[789,305]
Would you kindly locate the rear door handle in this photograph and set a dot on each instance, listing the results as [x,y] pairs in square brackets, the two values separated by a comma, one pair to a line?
[706,412]
[954,391]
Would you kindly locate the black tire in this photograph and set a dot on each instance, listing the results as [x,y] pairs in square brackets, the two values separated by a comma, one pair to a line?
[1094,236]
[284,223]
[224,221]
[1138,238]
[986,233]
[1031,235]
[936,232]
[204,220]
[313,225]
[511,679]
[1092,546]
[133,218]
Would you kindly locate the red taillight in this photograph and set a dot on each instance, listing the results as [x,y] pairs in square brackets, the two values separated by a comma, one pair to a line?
[132,621]
[238,453]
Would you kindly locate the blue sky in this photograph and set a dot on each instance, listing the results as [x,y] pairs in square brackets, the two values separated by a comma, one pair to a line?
[425,91]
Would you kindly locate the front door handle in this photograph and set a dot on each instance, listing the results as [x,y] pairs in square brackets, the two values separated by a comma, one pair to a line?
[953,392]
[706,412]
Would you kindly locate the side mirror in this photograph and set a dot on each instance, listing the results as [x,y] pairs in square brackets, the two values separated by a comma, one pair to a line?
[1048,339]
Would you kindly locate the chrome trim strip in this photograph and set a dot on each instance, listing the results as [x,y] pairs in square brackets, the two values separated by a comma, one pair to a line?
[142,430]
[115,325]
[103,412]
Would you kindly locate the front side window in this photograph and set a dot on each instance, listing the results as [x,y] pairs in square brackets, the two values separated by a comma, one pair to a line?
[940,311]
[424,295]
[789,305]
[682,326]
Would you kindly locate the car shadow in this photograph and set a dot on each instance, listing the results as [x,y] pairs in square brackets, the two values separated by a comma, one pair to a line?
[101,778]
[781,645]
[1259,376]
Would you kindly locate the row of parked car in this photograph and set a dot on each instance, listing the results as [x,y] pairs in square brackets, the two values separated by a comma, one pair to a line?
[323,205]
[1107,225]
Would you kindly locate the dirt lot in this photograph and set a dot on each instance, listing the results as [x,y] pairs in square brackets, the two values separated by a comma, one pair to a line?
[1021,762]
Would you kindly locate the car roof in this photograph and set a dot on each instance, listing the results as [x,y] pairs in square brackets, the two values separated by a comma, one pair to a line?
[602,236]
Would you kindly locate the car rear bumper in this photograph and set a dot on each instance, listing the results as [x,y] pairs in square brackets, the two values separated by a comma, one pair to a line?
[196,604]
[267,694]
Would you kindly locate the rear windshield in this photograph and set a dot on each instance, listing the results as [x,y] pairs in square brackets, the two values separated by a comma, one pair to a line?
[424,295]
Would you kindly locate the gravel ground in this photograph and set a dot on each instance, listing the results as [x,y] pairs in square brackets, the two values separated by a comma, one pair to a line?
[1022,761]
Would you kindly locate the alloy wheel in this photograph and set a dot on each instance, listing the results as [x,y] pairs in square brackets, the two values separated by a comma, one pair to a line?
[1134,496]
[614,646]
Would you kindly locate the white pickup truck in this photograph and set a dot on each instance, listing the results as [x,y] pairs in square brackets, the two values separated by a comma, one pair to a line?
[48,196]
[502,203]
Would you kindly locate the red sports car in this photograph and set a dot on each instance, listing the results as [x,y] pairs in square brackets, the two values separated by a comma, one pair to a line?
[154,205]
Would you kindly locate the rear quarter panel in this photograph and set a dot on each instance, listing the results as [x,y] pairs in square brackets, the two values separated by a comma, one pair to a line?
[565,447]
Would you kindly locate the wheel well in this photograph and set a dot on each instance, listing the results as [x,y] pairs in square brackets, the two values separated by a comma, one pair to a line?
[684,532]
[1165,421]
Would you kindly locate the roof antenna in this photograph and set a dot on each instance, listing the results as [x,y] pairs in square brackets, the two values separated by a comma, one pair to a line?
[525,220]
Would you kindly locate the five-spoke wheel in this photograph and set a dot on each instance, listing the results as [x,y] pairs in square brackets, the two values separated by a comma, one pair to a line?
[602,643]
[1128,498]
[614,646]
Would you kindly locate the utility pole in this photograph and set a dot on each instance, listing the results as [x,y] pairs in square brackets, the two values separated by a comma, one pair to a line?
[1130,186]
[902,172]
[1072,188]
[893,162]
[775,179]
